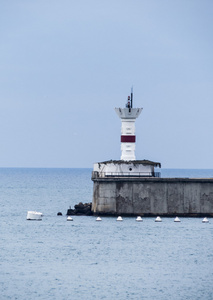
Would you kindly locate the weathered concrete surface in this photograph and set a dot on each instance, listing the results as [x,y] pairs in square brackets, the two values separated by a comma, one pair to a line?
[153,196]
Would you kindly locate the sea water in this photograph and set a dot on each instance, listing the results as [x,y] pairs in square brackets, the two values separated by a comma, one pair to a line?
[85,259]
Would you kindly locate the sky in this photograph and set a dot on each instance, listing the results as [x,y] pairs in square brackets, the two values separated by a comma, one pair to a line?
[65,65]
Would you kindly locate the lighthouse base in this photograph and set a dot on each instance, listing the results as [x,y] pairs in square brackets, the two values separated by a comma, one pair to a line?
[122,168]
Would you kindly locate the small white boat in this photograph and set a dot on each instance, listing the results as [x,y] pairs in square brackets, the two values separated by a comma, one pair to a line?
[34,215]
[139,219]
[158,219]
[176,219]
[69,218]
[205,220]
[98,219]
[119,218]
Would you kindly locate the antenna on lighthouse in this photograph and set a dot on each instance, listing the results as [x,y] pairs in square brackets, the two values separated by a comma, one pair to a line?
[131,96]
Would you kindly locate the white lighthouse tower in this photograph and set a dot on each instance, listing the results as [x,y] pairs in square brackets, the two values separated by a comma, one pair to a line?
[127,166]
[128,115]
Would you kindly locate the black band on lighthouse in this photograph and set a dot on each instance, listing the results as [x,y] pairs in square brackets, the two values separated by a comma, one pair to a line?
[128,138]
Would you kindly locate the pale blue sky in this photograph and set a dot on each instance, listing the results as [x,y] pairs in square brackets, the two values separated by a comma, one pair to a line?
[65,65]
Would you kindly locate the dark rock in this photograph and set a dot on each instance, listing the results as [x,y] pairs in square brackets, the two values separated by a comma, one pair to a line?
[70,212]
[81,209]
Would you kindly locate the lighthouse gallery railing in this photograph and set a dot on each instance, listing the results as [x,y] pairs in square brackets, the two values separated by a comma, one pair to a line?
[96,174]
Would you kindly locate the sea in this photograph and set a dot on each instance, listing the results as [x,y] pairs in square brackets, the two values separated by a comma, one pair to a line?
[85,259]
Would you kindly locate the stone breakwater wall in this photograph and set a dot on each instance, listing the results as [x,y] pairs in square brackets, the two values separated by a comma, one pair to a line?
[153,196]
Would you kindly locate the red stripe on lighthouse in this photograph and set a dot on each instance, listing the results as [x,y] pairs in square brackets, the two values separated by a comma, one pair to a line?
[128,138]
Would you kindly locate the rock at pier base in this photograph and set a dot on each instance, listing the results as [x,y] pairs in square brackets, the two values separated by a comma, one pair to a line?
[81,209]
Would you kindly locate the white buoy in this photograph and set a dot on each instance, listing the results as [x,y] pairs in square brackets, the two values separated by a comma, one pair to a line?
[139,219]
[158,219]
[98,219]
[34,215]
[205,220]
[176,219]
[119,218]
[69,218]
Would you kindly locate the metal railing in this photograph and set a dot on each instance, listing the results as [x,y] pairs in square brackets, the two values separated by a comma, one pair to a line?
[96,174]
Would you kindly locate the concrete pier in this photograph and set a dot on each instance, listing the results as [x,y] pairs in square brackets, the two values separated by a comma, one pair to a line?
[152,196]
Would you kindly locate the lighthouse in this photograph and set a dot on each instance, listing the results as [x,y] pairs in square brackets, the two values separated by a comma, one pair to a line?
[128,115]
[127,166]
[119,184]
